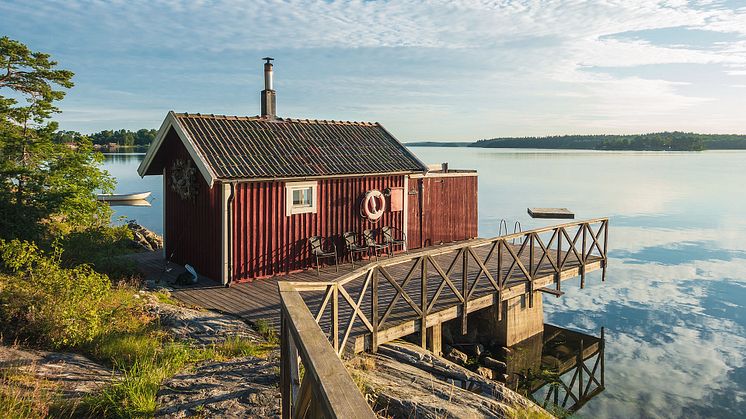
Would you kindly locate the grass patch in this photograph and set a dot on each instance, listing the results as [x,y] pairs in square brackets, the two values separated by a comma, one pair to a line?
[134,394]
[23,396]
[235,347]
[265,329]
[165,297]
[149,357]
[357,368]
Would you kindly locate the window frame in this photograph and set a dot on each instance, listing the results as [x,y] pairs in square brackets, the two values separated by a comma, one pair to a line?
[292,209]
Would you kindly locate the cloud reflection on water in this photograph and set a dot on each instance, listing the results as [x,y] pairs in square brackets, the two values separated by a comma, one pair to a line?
[674,301]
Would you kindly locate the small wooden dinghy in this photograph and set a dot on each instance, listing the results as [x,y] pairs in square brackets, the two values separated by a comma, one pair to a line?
[137,196]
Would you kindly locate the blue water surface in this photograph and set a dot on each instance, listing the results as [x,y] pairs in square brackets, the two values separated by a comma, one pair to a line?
[674,303]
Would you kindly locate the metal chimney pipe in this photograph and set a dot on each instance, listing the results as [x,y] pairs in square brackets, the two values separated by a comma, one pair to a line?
[269,106]
[268,74]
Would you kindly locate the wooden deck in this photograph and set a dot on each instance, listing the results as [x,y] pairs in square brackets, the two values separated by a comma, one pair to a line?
[366,307]
[260,300]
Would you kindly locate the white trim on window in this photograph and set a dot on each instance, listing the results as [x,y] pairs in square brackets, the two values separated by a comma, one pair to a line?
[306,198]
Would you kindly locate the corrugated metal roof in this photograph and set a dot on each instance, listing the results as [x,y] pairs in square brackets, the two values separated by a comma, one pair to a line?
[236,147]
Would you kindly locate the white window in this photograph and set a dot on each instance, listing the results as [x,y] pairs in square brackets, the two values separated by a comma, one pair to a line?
[300,198]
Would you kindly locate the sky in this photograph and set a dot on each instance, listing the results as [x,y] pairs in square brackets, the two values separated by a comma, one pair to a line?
[457,70]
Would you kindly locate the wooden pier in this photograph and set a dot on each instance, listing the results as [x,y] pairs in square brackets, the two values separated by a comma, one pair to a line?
[414,293]
[360,309]
[260,300]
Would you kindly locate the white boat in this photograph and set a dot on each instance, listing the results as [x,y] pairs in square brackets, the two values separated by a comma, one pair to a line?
[138,196]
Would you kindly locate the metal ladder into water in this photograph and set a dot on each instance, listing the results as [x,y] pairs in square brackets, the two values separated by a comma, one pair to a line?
[503,230]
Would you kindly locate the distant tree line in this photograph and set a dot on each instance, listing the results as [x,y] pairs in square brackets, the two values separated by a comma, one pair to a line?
[122,137]
[660,141]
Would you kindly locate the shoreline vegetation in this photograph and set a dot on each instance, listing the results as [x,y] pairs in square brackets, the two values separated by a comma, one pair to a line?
[126,141]
[660,141]
[65,285]
[68,291]
[121,140]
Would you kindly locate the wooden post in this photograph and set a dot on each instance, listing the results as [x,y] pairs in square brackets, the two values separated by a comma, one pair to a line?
[285,381]
[465,290]
[434,338]
[316,410]
[531,271]
[374,310]
[294,367]
[421,202]
[531,255]
[335,317]
[606,256]
[423,300]
[582,255]
[500,280]
[558,275]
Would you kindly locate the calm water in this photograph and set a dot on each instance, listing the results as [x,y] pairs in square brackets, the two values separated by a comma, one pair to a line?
[123,166]
[674,303]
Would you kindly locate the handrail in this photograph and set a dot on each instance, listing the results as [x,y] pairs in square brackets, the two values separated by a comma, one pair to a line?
[533,264]
[324,390]
[344,279]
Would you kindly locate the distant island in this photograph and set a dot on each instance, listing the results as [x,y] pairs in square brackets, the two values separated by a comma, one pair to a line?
[659,141]
[111,140]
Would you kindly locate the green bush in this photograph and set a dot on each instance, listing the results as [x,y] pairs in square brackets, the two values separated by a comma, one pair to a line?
[102,248]
[46,303]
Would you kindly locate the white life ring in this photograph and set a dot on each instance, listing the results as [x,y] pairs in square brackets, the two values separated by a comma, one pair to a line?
[373,205]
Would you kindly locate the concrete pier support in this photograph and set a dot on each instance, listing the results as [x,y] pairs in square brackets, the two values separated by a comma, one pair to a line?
[519,321]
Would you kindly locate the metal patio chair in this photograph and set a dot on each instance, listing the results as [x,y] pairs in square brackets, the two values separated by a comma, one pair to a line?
[321,250]
[369,238]
[353,246]
[390,241]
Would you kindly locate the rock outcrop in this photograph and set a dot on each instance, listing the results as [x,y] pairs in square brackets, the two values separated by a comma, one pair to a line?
[240,388]
[145,238]
[404,380]
[71,375]
[202,326]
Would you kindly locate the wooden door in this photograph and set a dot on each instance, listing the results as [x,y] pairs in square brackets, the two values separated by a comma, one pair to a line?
[414,214]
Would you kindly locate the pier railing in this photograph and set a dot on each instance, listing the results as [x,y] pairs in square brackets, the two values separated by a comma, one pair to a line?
[404,292]
[324,389]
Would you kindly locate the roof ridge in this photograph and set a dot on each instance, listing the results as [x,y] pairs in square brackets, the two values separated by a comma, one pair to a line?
[277,119]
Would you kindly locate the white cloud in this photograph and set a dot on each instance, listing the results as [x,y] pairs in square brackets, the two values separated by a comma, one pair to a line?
[511,51]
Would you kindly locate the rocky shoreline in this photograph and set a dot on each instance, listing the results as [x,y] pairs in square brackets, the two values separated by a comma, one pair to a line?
[240,387]
[143,237]
[435,387]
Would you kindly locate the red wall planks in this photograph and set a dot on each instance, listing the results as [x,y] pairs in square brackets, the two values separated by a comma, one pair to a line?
[443,210]
[192,227]
[267,242]
[414,210]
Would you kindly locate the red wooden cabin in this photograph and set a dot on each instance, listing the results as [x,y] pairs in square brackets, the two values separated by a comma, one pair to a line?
[243,194]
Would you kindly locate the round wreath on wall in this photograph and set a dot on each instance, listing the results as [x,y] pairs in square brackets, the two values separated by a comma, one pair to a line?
[184,179]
